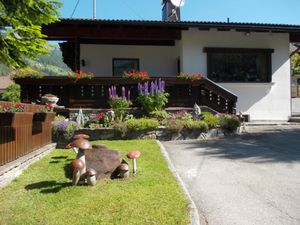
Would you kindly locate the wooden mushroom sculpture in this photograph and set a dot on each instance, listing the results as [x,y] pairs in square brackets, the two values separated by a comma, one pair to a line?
[77,168]
[82,145]
[91,177]
[133,155]
[124,170]
[78,136]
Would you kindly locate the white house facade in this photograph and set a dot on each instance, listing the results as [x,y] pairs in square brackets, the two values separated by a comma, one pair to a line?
[261,100]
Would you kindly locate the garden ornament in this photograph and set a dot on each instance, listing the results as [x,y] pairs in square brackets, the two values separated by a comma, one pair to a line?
[197,110]
[82,145]
[134,155]
[111,115]
[80,117]
[78,166]
[91,177]
[124,170]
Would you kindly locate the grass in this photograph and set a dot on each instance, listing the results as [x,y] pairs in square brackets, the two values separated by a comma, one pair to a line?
[43,194]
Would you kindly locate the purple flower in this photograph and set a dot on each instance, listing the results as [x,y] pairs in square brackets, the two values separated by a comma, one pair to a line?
[123,93]
[128,97]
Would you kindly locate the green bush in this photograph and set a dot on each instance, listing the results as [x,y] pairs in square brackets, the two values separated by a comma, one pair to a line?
[119,106]
[211,120]
[229,122]
[155,102]
[142,124]
[174,125]
[196,125]
[12,93]
[160,114]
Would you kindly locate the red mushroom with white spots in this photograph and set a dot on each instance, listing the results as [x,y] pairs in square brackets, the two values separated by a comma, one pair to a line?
[134,155]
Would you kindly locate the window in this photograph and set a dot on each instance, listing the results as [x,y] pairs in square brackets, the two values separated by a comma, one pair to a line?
[122,65]
[239,65]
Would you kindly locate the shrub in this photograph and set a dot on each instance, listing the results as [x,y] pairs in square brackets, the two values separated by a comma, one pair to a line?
[160,114]
[12,93]
[63,128]
[121,127]
[229,122]
[174,125]
[196,125]
[119,104]
[142,124]
[152,96]
[99,120]
[211,120]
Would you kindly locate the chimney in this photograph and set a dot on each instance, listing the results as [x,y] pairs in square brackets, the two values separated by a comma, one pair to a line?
[170,12]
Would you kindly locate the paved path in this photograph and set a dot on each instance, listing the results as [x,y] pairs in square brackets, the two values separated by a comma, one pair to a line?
[249,179]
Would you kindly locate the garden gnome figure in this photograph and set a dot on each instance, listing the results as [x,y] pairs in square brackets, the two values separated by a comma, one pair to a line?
[111,115]
[197,110]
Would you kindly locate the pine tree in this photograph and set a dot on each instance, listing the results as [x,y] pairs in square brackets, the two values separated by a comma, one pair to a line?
[20,29]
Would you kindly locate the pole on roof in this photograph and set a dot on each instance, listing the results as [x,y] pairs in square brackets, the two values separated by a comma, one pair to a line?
[94,9]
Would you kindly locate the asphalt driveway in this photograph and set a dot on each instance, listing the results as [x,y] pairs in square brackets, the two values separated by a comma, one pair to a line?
[248,179]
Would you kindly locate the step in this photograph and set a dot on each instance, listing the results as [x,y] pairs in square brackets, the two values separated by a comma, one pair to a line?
[295,119]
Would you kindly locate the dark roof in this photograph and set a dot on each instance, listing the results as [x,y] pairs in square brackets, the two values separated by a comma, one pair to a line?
[186,24]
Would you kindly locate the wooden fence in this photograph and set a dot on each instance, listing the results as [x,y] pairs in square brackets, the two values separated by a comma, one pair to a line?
[23,132]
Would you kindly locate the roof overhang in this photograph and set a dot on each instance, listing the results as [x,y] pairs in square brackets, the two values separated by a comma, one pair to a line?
[151,30]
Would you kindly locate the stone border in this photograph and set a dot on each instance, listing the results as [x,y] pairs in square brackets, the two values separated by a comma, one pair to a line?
[194,215]
[12,170]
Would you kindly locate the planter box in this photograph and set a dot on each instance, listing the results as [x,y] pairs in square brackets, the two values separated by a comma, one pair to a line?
[44,117]
[16,119]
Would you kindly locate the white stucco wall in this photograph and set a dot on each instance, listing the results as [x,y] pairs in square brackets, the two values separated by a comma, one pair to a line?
[263,101]
[156,60]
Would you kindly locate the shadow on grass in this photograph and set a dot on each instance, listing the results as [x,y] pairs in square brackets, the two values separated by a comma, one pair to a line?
[278,145]
[47,187]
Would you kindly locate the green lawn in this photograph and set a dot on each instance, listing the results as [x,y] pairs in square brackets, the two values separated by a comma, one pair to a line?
[43,195]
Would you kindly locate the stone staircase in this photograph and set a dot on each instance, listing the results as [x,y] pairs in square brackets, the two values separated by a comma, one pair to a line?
[295,118]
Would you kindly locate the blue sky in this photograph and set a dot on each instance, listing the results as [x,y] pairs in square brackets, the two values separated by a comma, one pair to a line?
[258,11]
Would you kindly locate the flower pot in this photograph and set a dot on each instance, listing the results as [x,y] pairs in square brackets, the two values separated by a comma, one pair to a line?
[43,116]
[15,119]
[51,100]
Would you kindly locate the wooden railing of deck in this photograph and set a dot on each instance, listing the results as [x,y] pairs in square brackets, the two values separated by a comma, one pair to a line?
[23,135]
[94,93]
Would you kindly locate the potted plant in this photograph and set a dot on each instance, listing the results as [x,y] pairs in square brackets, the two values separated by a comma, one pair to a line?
[45,115]
[136,75]
[14,115]
[50,99]
[79,75]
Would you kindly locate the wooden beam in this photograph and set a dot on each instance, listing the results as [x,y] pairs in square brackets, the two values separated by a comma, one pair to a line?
[124,33]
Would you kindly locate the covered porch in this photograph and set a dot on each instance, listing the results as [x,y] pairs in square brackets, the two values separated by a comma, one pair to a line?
[94,93]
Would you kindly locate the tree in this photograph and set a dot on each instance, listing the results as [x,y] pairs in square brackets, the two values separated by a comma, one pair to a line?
[20,29]
[12,93]
[296,63]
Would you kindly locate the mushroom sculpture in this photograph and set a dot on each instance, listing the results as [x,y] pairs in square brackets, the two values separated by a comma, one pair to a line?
[91,177]
[77,136]
[124,170]
[82,145]
[134,155]
[78,166]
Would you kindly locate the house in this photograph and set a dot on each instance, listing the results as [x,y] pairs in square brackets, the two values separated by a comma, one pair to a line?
[248,60]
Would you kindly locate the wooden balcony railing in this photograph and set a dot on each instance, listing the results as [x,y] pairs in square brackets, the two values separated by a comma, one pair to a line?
[94,93]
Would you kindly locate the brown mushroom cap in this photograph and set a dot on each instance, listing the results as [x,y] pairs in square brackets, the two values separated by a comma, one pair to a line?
[78,136]
[77,164]
[133,154]
[91,172]
[81,144]
[124,167]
